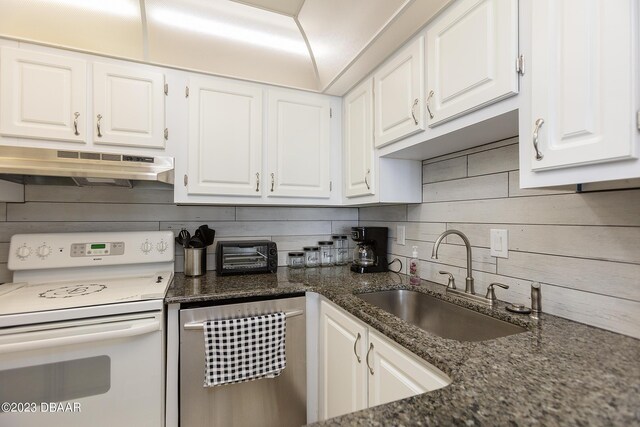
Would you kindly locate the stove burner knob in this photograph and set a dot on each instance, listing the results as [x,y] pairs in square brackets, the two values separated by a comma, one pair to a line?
[146,247]
[23,252]
[162,246]
[43,251]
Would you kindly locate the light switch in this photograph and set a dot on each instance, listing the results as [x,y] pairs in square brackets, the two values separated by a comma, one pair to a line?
[400,235]
[499,243]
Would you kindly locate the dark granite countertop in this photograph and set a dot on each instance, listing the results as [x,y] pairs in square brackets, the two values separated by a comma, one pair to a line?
[559,372]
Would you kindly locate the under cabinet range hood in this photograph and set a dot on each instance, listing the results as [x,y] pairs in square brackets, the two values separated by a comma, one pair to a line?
[85,168]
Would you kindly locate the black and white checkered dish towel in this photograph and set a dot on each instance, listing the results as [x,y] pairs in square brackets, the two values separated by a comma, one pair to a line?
[244,349]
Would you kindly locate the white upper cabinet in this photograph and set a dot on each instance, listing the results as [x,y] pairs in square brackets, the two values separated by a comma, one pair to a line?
[399,95]
[577,122]
[42,96]
[359,173]
[471,57]
[298,142]
[128,106]
[225,138]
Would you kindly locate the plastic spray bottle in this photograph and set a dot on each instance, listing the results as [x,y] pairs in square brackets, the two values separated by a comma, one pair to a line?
[414,271]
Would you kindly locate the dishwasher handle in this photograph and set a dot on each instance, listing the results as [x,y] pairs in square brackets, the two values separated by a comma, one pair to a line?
[198,326]
[82,335]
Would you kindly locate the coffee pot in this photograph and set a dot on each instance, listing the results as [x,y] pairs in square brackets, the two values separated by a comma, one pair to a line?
[370,253]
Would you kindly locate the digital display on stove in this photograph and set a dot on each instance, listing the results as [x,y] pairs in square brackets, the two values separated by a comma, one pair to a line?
[98,246]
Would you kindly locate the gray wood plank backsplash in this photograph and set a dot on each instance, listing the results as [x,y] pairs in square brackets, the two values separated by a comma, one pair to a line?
[71,209]
[583,247]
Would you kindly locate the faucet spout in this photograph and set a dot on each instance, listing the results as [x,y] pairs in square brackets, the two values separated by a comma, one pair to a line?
[469,288]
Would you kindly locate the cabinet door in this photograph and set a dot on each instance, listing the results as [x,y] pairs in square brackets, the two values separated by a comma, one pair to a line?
[358,141]
[128,106]
[582,84]
[471,53]
[298,145]
[343,377]
[225,138]
[43,96]
[399,95]
[396,374]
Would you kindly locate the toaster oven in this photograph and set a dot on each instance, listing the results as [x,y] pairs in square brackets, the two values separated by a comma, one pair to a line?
[246,257]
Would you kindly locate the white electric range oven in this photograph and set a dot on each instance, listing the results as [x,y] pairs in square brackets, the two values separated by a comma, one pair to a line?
[82,329]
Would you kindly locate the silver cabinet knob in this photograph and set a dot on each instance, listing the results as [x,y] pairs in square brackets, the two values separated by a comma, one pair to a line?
[429,103]
[257,182]
[537,127]
[413,111]
[75,123]
[99,116]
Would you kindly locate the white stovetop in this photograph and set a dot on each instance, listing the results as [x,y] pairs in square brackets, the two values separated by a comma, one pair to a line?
[17,298]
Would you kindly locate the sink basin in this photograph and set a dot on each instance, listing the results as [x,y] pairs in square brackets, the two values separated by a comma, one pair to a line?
[440,317]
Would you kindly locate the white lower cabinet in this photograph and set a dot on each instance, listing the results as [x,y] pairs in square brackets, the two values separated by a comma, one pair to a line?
[359,368]
[395,373]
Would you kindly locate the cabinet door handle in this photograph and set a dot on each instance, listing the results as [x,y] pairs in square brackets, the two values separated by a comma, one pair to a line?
[537,127]
[369,351]
[355,345]
[257,182]
[273,181]
[365,179]
[429,104]
[98,125]
[75,123]
[413,111]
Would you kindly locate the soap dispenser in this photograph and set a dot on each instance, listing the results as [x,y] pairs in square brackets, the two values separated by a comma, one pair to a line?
[414,273]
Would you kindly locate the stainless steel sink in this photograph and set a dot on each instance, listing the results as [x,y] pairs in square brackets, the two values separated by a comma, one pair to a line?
[440,317]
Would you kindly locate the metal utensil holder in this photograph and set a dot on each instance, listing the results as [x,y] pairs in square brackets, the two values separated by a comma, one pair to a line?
[195,261]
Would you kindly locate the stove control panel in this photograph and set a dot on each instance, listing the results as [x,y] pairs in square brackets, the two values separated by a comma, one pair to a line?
[62,250]
[93,249]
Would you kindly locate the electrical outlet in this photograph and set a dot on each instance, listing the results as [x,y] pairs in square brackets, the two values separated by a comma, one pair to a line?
[400,235]
[500,243]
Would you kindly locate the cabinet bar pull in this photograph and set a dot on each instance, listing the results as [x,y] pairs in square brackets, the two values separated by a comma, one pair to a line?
[257,182]
[98,125]
[429,104]
[369,351]
[273,181]
[538,124]
[365,179]
[413,111]
[75,123]
[198,326]
[355,345]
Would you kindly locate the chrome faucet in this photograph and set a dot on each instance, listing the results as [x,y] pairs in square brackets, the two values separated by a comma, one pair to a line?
[469,292]
[469,289]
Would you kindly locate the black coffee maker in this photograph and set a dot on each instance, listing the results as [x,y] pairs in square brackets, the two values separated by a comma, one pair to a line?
[370,254]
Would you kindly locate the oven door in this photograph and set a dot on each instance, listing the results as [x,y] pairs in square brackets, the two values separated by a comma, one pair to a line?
[96,372]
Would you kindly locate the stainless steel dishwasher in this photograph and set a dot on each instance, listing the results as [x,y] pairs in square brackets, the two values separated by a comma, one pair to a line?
[280,401]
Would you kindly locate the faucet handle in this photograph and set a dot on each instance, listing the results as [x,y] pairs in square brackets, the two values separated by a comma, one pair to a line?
[451,284]
[491,294]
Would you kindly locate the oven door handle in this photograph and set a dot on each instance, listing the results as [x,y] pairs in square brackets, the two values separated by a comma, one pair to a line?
[80,335]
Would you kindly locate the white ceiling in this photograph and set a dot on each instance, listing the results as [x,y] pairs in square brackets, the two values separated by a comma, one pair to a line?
[286,7]
[319,45]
